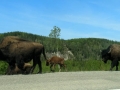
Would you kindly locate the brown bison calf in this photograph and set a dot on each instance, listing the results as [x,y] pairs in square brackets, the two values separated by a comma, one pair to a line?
[55,60]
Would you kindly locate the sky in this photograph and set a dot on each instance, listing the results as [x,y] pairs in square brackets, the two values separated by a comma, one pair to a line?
[75,18]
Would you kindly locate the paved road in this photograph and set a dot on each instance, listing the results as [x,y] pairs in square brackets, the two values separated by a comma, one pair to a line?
[84,80]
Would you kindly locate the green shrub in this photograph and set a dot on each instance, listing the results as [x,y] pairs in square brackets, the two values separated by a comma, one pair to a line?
[3,67]
[76,65]
[71,65]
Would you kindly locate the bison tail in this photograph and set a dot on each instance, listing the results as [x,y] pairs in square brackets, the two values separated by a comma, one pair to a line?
[44,53]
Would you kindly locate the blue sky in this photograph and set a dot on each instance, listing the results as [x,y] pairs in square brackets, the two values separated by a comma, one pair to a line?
[75,18]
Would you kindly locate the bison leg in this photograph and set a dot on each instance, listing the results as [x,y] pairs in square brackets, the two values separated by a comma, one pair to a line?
[60,66]
[32,68]
[11,67]
[11,71]
[8,71]
[117,66]
[27,67]
[113,64]
[34,65]
[51,66]
[54,67]
[20,63]
[36,60]
[40,65]
[16,70]
[64,66]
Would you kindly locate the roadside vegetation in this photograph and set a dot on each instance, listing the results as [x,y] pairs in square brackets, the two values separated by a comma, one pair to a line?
[71,66]
[86,51]
[74,65]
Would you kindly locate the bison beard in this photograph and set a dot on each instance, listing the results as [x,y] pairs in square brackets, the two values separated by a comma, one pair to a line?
[112,53]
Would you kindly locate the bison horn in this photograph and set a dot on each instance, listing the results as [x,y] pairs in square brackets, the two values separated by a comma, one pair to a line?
[109,50]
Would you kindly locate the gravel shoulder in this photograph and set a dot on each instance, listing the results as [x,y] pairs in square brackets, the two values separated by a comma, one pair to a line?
[84,80]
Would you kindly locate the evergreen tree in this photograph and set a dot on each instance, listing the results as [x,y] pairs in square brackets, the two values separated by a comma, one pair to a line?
[55,34]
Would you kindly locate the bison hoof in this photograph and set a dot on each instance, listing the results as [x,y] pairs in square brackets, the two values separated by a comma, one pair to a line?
[39,72]
[52,70]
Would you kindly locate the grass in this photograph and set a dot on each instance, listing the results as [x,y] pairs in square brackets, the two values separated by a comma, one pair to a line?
[89,65]
[75,65]
[71,65]
[3,67]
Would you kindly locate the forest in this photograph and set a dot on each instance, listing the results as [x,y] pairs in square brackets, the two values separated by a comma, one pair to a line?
[83,49]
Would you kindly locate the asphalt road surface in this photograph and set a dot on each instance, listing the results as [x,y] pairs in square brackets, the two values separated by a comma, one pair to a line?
[84,80]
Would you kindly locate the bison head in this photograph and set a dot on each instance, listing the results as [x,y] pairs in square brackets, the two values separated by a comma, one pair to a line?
[2,55]
[105,55]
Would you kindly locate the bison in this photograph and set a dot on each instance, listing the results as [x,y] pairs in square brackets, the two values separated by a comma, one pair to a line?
[55,60]
[18,51]
[112,53]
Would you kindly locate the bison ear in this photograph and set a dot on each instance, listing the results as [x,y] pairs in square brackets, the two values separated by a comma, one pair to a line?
[109,51]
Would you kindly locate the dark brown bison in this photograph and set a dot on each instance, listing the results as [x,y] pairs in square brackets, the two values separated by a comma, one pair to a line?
[19,51]
[55,60]
[112,53]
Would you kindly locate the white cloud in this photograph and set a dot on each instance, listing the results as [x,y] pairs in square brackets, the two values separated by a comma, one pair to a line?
[97,21]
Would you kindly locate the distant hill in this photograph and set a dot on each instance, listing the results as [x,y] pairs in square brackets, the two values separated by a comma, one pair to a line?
[78,49]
